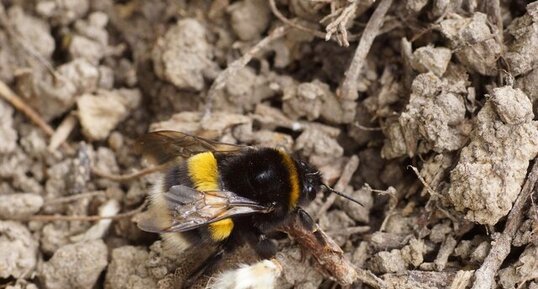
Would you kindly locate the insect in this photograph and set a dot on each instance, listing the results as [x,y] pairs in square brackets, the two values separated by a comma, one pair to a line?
[226,194]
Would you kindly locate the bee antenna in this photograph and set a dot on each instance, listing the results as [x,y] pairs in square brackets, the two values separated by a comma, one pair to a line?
[341,194]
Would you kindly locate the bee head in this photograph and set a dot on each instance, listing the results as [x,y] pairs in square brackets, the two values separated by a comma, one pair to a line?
[311,182]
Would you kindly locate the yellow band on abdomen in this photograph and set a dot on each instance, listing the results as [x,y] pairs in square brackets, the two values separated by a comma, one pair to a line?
[221,230]
[203,172]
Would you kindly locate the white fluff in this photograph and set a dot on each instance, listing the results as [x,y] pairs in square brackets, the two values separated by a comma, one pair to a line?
[261,275]
[158,209]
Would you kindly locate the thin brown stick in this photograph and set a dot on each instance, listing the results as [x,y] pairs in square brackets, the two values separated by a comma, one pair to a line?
[368,278]
[351,166]
[485,275]
[365,128]
[493,9]
[423,181]
[127,177]
[68,199]
[8,94]
[348,89]
[316,33]
[281,17]
[328,254]
[338,25]
[349,231]
[239,63]
[52,218]
[62,132]
[348,171]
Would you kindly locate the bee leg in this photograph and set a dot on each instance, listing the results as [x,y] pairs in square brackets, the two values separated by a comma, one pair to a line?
[307,221]
[309,224]
[265,247]
[205,267]
[208,265]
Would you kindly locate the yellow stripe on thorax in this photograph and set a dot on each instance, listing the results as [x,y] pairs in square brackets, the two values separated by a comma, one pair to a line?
[203,172]
[294,178]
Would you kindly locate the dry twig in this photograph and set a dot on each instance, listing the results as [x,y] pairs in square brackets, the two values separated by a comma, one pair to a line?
[365,128]
[493,9]
[392,204]
[52,218]
[348,89]
[16,101]
[10,96]
[320,34]
[327,254]
[67,199]
[350,168]
[485,276]
[239,63]
[349,231]
[62,132]
[338,25]
[428,279]
[423,181]
[292,23]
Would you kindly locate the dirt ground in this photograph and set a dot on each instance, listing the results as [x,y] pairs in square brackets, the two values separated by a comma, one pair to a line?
[423,110]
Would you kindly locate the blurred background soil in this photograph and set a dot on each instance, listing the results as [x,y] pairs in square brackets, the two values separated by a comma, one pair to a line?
[435,126]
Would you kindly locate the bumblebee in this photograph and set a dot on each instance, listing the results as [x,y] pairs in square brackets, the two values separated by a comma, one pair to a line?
[225,194]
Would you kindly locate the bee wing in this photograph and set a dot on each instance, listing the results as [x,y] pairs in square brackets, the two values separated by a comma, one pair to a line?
[166,145]
[190,209]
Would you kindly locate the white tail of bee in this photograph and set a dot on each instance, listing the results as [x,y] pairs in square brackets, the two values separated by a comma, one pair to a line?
[261,275]
[158,217]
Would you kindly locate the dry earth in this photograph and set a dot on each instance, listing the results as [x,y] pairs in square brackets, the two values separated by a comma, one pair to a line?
[433,122]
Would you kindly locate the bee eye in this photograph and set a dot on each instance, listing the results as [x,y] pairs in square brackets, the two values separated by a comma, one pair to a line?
[310,191]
